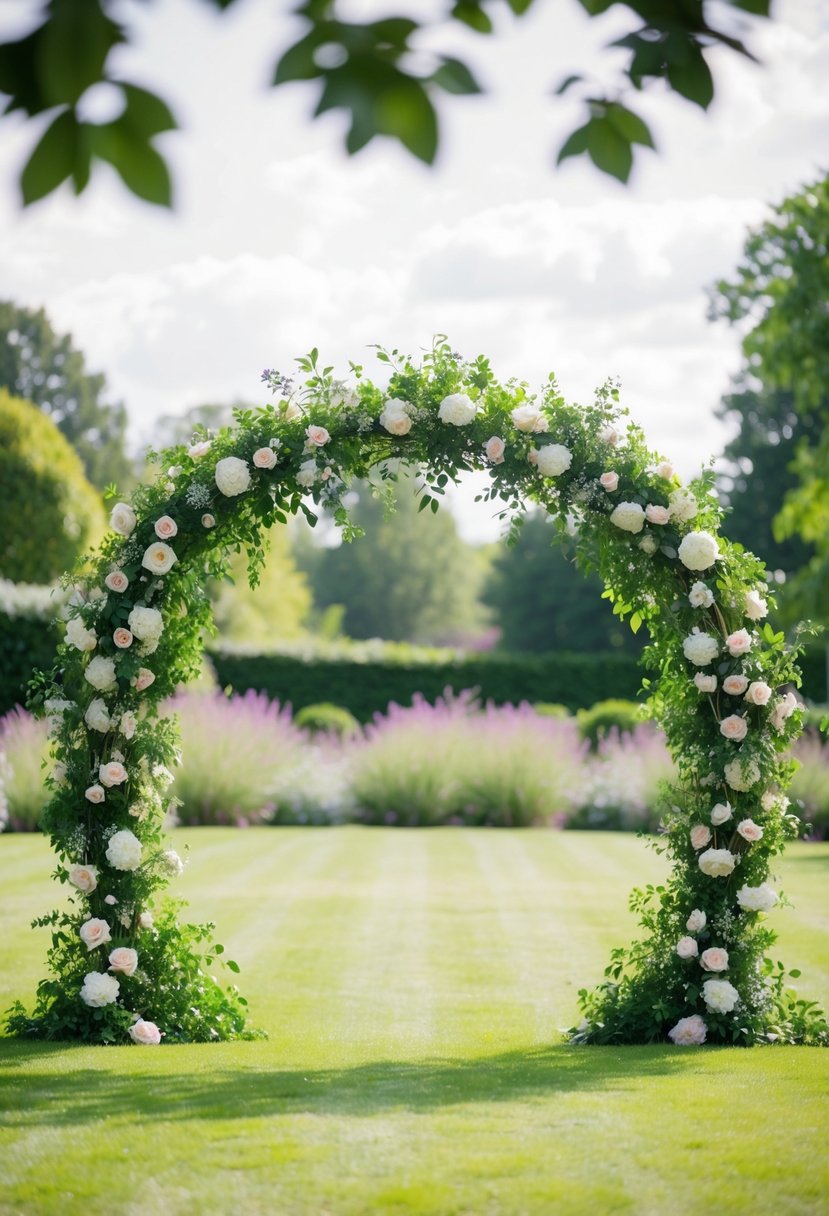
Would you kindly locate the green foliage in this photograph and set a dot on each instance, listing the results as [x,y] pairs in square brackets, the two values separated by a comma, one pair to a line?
[44,367]
[543,603]
[410,577]
[275,610]
[50,512]
[365,68]
[600,719]
[326,718]
[24,752]
[367,687]
[27,643]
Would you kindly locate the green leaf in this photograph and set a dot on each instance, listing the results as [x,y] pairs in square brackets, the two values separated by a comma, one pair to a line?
[519,7]
[146,114]
[141,168]
[629,125]
[53,159]
[566,84]
[692,79]
[575,144]
[73,50]
[298,62]
[455,77]
[472,14]
[233,966]
[608,149]
[407,114]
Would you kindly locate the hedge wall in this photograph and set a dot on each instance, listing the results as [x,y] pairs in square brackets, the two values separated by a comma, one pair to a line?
[26,643]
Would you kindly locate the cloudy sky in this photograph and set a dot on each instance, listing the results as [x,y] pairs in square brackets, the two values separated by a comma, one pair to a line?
[278,242]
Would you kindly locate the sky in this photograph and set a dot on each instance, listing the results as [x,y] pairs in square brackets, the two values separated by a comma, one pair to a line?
[279,242]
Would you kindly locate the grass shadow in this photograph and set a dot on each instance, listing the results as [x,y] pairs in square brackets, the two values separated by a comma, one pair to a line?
[85,1095]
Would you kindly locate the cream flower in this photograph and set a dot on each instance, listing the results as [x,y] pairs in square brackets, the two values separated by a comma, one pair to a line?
[757,899]
[700,648]
[700,835]
[122,519]
[529,419]
[738,643]
[264,458]
[758,693]
[145,1033]
[232,476]
[142,679]
[749,830]
[742,774]
[734,727]
[655,514]
[112,773]
[124,851]
[307,473]
[665,470]
[165,527]
[494,450]
[99,989]
[735,685]
[94,933]
[609,481]
[158,558]
[700,596]
[721,813]
[781,711]
[146,623]
[719,996]
[705,683]
[714,959]
[688,1032]
[123,959]
[683,506]
[128,724]
[84,877]
[100,673]
[717,863]
[97,716]
[395,417]
[79,636]
[553,460]
[698,550]
[199,449]
[628,516]
[318,436]
[457,410]
[755,606]
[687,947]
[697,921]
[208,521]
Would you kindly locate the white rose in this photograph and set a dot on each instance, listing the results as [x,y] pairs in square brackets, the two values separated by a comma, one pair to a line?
[529,418]
[159,558]
[124,851]
[232,476]
[719,996]
[494,449]
[146,623]
[782,710]
[85,878]
[717,863]
[94,933]
[700,596]
[128,724]
[457,409]
[553,459]
[698,550]
[687,947]
[757,899]
[99,989]
[665,470]
[721,813]
[688,1032]
[742,774]
[395,418]
[705,683]
[100,673]
[95,794]
[79,636]
[755,606]
[145,1033]
[628,516]
[97,716]
[145,920]
[172,863]
[610,435]
[122,519]
[758,693]
[697,921]
[700,648]
[307,473]
[682,505]
[123,959]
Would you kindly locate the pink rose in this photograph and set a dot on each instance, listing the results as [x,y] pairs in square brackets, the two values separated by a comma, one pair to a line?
[146,1033]
[111,900]
[117,581]
[688,1032]
[532,456]
[758,693]
[264,458]
[705,683]
[687,947]
[85,878]
[750,831]
[123,959]
[95,794]
[122,638]
[199,449]
[208,521]
[738,643]
[735,686]
[494,450]
[112,773]
[656,515]
[143,679]
[700,835]
[317,435]
[94,933]
[734,727]
[714,959]
[609,481]
[665,470]
[165,528]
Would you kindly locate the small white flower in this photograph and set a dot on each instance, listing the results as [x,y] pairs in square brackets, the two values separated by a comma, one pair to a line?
[698,550]
[457,410]
[697,921]
[717,863]
[99,989]
[682,505]
[124,851]
[629,516]
[100,673]
[757,899]
[232,476]
[79,636]
[700,648]
[307,473]
[97,716]
[719,996]
[755,606]
[529,419]
[122,519]
[721,813]
[553,460]
[700,596]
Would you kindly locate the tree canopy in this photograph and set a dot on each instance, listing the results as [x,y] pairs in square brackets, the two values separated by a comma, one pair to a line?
[778,294]
[45,368]
[364,67]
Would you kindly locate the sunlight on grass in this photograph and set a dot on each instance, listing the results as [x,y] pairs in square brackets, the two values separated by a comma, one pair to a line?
[413,984]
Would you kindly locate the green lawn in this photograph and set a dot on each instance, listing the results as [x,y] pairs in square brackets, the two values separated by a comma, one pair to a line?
[413,984]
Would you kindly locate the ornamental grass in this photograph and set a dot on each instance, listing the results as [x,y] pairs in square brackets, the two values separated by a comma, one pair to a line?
[24,749]
[809,789]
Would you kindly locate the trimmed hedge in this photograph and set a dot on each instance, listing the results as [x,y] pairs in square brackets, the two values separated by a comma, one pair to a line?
[574,680]
[26,644]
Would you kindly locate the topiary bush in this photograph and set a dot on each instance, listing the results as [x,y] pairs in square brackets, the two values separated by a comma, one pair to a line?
[51,514]
[616,714]
[327,718]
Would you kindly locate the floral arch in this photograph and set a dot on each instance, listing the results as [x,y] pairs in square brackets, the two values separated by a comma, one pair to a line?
[122,969]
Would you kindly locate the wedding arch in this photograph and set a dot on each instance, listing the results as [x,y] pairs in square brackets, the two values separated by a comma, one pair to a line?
[122,969]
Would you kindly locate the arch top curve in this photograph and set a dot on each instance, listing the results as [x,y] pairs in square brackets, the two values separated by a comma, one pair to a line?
[135,633]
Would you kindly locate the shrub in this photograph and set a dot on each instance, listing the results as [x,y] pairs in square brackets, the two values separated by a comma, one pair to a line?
[809,790]
[621,785]
[551,709]
[27,636]
[51,514]
[326,718]
[451,762]
[597,722]
[238,753]
[24,745]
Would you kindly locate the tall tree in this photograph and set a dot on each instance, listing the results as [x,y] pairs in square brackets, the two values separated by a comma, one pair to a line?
[410,578]
[778,295]
[542,602]
[365,68]
[44,367]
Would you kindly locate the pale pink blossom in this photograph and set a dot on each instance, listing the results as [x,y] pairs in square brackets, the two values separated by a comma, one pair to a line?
[665,470]
[208,521]
[317,435]
[750,831]
[122,638]
[95,794]
[687,947]
[734,727]
[112,773]
[94,933]
[123,959]
[117,581]
[609,481]
[738,643]
[142,679]
[199,449]
[700,835]
[688,1032]
[145,1033]
[735,685]
[264,458]
[166,528]
[714,959]
[697,921]
[655,514]
[85,878]
[759,693]
[721,813]
[705,683]
[494,449]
